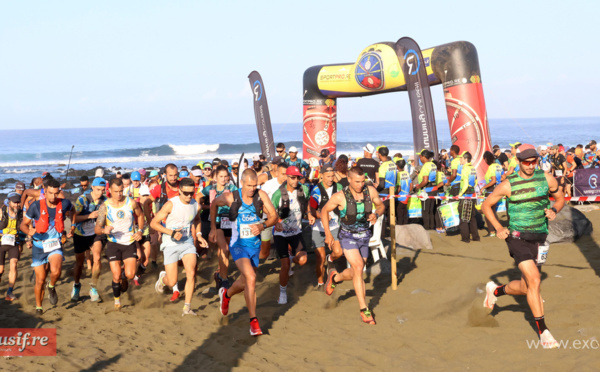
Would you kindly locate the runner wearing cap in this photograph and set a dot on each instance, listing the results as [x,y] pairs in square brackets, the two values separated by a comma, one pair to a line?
[544,159]
[466,207]
[145,245]
[513,165]
[270,187]
[246,208]
[368,164]
[528,210]
[559,164]
[220,225]
[319,196]
[178,235]
[116,219]
[326,158]
[294,160]
[136,182]
[257,164]
[291,202]
[207,173]
[10,241]
[355,206]
[84,236]
[455,168]
[49,215]
[142,173]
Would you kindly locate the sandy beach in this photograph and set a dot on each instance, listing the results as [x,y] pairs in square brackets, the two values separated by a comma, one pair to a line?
[433,321]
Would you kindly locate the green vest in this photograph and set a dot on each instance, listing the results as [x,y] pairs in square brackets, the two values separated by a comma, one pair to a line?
[528,199]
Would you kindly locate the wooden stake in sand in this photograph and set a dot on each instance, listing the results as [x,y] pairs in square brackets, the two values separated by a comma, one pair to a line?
[393,238]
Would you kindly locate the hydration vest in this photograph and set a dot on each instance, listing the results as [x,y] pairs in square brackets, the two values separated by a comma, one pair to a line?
[237,204]
[4,218]
[284,210]
[324,196]
[89,200]
[41,225]
[350,218]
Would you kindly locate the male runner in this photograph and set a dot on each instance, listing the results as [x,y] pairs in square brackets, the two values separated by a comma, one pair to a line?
[149,236]
[319,196]
[528,211]
[10,243]
[178,237]
[513,164]
[294,160]
[116,220]
[291,202]
[355,205]
[270,187]
[84,238]
[455,168]
[246,207]
[220,227]
[49,215]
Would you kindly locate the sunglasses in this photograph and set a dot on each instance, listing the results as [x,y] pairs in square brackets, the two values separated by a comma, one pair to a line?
[235,168]
[187,193]
[529,163]
[207,169]
[280,151]
[293,177]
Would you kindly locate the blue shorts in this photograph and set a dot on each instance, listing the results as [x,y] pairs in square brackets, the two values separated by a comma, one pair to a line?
[356,240]
[39,257]
[238,252]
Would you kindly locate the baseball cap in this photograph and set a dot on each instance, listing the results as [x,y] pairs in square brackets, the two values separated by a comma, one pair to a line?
[561,148]
[293,149]
[277,160]
[98,181]
[526,151]
[369,148]
[144,190]
[216,161]
[155,192]
[207,165]
[142,172]
[420,152]
[136,176]
[555,147]
[14,197]
[20,186]
[183,174]
[293,171]
[197,173]
[516,144]
[543,147]
[99,173]
[256,158]
[327,168]
[153,174]
[324,153]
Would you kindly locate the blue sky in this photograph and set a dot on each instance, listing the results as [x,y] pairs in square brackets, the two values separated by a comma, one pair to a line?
[148,63]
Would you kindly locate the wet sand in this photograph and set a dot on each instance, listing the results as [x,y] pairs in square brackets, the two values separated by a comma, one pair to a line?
[433,321]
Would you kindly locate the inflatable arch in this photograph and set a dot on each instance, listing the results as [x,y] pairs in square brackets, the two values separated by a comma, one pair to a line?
[378,69]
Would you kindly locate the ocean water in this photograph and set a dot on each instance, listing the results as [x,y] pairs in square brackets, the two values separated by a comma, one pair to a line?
[25,154]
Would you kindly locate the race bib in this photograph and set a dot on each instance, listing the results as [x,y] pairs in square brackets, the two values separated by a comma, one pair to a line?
[543,253]
[245,231]
[51,245]
[185,232]
[8,239]
[225,223]
[558,172]
[359,235]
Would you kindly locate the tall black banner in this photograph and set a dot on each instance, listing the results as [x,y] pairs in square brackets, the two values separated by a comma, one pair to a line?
[261,114]
[417,85]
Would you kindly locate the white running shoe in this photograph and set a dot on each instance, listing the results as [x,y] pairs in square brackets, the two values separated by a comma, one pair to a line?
[282,300]
[188,311]
[490,299]
[160,286]
[548,342]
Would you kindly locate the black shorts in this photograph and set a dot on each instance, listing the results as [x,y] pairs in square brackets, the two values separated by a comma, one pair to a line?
[226,232]
[522,250]
[119,252]
[205,229]
[100,238]
[83,243]
[12,250]
[145,238]
[282,243]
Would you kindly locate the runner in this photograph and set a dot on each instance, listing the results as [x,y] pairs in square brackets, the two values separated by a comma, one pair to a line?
[270,187]
[207,172]
[294,160]
[127,185]
[493,177]
[281,150]
[84,185]
[246,207]
[116,220]
[10,243]
[49,215]
[426,184]
[513,164]
[455,168]
[528,211]
[235,168]
[403,187]
[355,205]
[84,236]
[466,207]
[149,236]
[220,225]
[178,237]
[319,196]
[291,202]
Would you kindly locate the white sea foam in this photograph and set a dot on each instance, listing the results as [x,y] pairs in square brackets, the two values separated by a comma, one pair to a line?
[194,149]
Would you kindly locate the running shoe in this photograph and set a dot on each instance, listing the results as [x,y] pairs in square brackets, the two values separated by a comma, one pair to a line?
[136,281]
[255,328]
[490,299]
[39,311]
[175,296]
[52,295]
[188,311]
[10,296]
[160,286]
[224,305]
[367,317]
[282,300]
[94,296]
[492,235]
[330,285]
[117,304]
[75,293]
[548,342]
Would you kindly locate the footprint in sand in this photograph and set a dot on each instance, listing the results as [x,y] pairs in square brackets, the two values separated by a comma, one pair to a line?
[479,316]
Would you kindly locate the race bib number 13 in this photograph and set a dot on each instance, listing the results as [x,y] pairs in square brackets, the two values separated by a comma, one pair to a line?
[245,232]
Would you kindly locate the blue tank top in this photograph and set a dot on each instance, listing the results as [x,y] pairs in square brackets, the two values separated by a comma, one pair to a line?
[241,235]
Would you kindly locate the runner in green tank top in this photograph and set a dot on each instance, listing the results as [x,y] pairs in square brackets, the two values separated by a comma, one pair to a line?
[529,212]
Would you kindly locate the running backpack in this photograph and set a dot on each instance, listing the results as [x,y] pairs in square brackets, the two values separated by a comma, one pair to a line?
[237,204]
[42,225]
[284,210]
[4,218]
[351,210]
